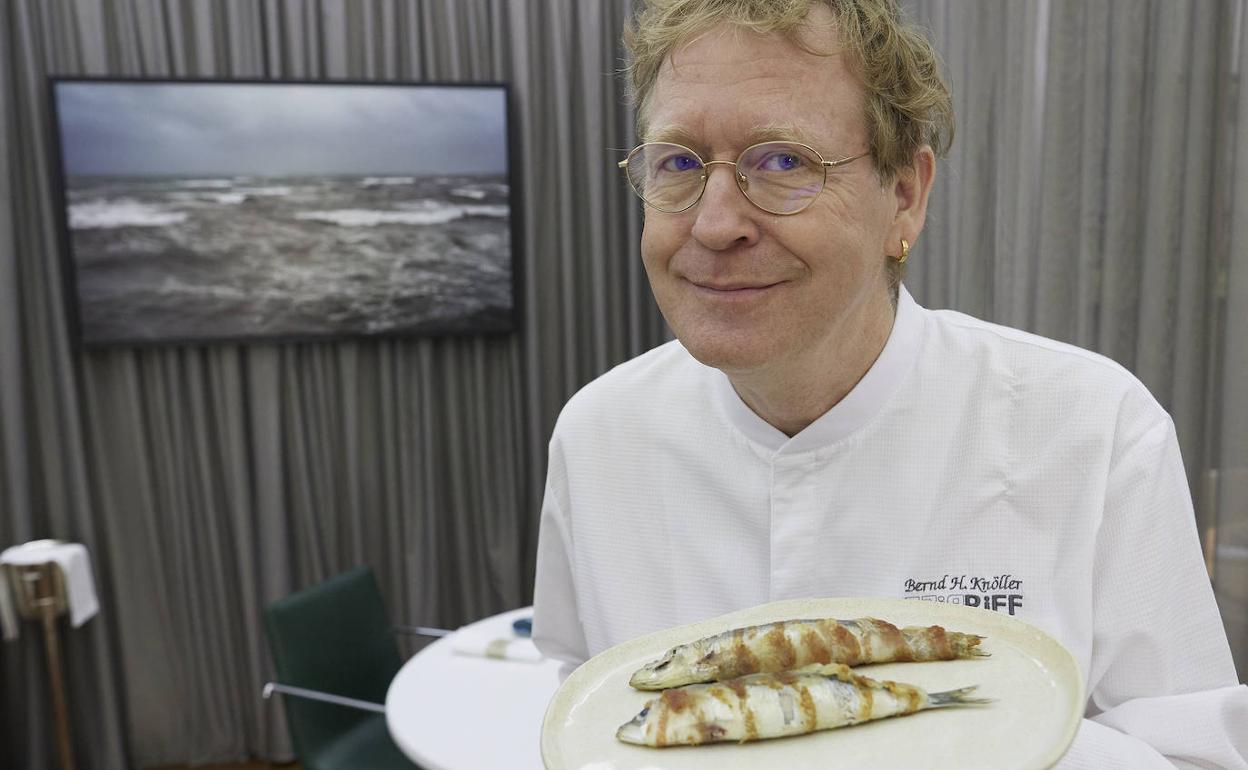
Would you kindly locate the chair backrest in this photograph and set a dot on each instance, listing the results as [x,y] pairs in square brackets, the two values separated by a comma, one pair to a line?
[334,637]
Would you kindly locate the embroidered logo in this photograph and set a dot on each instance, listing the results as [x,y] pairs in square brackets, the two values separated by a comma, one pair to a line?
[1002,593]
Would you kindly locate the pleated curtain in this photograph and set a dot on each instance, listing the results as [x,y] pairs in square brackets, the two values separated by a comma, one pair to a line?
[210,480]
[1096,193]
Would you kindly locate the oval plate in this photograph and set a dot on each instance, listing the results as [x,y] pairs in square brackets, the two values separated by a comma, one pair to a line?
[1036,684]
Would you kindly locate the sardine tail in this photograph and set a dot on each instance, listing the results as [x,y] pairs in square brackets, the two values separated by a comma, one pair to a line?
[971,647]
[960,697]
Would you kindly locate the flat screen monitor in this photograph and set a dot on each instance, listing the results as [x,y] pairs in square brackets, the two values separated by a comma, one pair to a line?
[195,211]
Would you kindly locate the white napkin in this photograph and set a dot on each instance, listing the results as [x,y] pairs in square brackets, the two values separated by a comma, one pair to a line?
[501,648]
[74,562]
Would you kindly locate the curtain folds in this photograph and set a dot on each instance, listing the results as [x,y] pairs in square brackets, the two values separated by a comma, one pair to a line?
[1227,487]
[1097,193]
[210,480]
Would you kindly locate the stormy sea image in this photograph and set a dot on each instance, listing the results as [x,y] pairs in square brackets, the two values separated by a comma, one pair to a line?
[200,258]
[219,210]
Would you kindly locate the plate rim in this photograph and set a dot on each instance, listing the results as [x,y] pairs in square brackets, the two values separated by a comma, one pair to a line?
[700,628]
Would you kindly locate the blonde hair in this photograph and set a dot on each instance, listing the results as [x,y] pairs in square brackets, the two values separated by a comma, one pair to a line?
[907,100]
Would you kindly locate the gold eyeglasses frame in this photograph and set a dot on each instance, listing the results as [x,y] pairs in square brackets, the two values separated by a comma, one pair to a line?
[742,180]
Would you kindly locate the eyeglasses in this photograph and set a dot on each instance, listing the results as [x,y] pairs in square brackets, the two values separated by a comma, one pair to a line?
[778,177]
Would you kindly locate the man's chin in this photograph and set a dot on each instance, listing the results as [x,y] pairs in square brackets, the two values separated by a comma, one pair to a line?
[728,355]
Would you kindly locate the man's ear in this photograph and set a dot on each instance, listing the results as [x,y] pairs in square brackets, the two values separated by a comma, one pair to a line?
[910,189]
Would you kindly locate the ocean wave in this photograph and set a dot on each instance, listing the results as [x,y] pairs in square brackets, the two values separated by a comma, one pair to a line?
[231,198]
[123,212]
[486,211]
[223,198]
[469,192]
[206,183]
[464,209]
[416,215]
[264,192]
[175,286]
[226,199]
[376,181]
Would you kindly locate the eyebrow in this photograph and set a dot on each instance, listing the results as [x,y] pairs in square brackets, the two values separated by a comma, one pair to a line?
[672,134]
[777,132]
[772,132]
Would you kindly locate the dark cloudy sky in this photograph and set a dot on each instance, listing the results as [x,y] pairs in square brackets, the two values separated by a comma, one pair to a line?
[146,129]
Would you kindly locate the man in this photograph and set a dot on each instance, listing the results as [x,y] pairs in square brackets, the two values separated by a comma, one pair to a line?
[814,432]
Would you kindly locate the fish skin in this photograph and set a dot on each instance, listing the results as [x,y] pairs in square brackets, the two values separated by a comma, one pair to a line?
[785,645]
[777,705]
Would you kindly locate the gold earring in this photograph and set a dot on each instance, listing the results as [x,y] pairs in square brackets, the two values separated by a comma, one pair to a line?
[905,252]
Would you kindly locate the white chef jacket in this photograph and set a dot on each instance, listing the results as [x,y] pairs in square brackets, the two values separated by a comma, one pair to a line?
[973,463]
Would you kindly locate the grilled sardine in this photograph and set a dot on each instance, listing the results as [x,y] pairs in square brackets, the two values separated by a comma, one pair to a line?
[791,644]
[762,706]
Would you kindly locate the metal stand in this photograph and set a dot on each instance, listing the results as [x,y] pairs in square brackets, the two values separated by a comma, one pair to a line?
[40,593]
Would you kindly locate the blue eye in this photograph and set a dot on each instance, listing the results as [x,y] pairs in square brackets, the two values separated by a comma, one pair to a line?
[680,163]
[781,161]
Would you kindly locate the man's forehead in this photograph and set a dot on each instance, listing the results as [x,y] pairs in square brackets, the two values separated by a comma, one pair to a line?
[773,131]
[789,53]
[815,35]
[771,80]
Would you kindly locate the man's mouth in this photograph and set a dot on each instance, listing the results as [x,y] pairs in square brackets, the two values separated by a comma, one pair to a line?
[732,289]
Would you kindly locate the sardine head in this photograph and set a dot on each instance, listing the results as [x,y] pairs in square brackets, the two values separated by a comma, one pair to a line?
[660,674]
[634,731]
[652,675]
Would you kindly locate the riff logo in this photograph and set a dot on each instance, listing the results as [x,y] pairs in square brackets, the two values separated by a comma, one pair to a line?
[997,602]
[1000,593]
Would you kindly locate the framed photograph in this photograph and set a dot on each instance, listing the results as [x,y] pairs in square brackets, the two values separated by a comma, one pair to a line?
[197,211]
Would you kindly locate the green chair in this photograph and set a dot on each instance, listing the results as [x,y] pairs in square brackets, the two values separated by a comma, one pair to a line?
[335,655]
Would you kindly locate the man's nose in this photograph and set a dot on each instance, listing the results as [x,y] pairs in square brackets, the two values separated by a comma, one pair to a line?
[725,217]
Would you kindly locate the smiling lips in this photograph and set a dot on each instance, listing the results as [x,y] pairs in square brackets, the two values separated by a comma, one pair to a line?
[733,290]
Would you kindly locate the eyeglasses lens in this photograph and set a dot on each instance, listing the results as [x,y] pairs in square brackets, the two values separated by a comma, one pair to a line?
[778,177]
[667,176]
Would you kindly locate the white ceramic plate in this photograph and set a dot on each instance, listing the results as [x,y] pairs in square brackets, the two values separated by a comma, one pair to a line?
[1035,682]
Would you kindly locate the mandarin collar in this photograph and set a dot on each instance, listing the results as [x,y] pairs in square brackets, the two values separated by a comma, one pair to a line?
[854,410]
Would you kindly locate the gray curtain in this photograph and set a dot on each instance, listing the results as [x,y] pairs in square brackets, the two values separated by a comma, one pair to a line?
[208,481]
[1095,194]
[1227,487]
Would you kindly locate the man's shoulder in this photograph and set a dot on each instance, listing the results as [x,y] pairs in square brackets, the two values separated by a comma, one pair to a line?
[667,366]
[1045,369]
[1040,356]
[653,380]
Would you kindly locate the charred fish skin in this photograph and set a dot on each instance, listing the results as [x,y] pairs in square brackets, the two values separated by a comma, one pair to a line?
[778,705]
[785,645]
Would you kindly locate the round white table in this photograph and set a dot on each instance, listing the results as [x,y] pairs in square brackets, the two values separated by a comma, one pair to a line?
[447,710]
